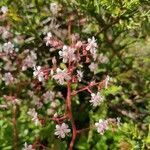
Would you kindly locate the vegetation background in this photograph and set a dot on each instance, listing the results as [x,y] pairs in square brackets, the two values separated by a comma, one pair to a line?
[122,30]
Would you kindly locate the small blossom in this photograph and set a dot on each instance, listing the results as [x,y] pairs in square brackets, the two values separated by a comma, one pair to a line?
[49,95]
[27,147]
[91,46]
[38,104]
[118,121]
[34,116]
[50,111]
[48,38]
[62,130]
[54,61]
[96,99]
[51,72]
[78,44]
[38,73]
[101,126]
[93,67]
[54,7]
[29,61]
[61,76]
[8,78]
[55,115]
[79,75]
[106,81]
[67,54]
[8,47]
[6,34]
[103,59]
[4,9]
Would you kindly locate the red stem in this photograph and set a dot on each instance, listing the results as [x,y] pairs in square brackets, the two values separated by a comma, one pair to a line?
[84,88]
[69,109]
[15,134]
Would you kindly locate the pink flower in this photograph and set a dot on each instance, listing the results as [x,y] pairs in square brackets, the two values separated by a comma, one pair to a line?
[78,44]
[101,126]
[67,54]
[38,73]
[61,76]
[62,130]
[96,99]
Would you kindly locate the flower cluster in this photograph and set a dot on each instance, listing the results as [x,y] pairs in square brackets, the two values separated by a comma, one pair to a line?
[66,63]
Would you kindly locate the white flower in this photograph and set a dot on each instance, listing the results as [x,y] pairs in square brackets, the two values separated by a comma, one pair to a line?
[54,7]
[6,34]
[27,147]
[49,95]
[79,75]
[91,46]
[34,116]
[38,73]
[96,99]
[50,111]
[8,47]
[103,59]
[62,130]
[48,38]
[4,9]
[38,104]
[8,78]
[54,61]
[101,126]
[61,76]
[107,81]
[67,54]
[93,67]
